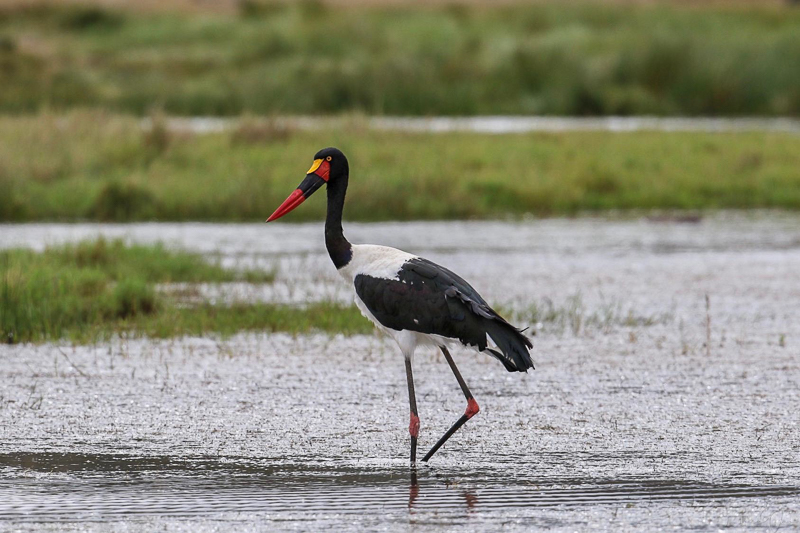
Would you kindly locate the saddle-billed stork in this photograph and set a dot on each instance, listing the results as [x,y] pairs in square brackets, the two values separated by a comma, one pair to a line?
[413,300]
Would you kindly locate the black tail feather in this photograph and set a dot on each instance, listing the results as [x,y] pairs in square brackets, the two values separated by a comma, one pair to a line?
[513,346]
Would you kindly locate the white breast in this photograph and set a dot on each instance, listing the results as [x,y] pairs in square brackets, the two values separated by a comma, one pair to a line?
[375,261]
[385,262]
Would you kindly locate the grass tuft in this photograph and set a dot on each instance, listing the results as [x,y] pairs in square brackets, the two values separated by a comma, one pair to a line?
[575,316]
[89,17]
[133,298]
[123,202]
[152,263]
[260,9]
[95,289]
[230,319]
[157,136]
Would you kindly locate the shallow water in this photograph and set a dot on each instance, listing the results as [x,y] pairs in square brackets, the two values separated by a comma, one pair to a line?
[624,424]
[114,486]
[512,124]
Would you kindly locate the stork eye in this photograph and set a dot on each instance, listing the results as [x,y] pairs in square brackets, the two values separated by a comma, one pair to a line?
[328,158]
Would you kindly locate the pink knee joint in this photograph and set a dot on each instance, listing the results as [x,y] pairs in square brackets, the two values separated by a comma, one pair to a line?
[413,426]
[472,408]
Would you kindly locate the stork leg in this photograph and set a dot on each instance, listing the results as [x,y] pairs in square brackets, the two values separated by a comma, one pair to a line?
[472,406]
[413,425]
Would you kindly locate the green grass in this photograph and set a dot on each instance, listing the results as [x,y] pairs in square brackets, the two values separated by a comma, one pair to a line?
[97,288]
[92,165]
[229,319]
[305,57]
[117,261]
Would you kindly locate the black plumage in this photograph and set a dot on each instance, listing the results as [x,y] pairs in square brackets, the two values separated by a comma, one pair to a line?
[428,298]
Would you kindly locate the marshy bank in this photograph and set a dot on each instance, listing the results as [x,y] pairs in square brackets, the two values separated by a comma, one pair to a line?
[105,167]
[99,289]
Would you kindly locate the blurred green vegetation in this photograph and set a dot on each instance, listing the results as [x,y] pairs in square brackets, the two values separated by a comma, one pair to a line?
[562,58]
[93,165]
[96,289]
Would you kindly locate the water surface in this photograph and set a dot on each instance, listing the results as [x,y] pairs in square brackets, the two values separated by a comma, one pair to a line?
[648,409]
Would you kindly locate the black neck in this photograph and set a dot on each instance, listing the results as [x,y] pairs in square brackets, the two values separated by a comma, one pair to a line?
[339,248]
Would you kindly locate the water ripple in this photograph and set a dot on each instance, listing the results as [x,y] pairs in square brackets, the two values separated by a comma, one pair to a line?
[67,486]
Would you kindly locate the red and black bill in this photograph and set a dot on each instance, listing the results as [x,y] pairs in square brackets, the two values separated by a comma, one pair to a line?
[317,176]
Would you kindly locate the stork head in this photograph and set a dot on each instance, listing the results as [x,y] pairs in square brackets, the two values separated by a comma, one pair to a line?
[329,165]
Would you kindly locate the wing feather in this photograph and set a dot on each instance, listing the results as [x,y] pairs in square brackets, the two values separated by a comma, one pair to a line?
[428,298]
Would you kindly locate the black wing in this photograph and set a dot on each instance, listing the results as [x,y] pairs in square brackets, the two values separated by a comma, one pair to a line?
[428,298]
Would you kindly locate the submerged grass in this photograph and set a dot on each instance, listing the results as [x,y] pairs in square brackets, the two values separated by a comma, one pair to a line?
[575,316]
[548,57]
[93,165]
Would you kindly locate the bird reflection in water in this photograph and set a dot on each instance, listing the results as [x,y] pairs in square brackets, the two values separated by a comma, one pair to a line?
[470,498]
[413,489]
